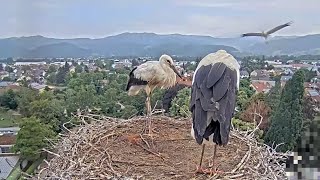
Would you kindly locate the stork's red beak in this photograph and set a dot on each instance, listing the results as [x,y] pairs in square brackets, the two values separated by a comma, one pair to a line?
[175,70]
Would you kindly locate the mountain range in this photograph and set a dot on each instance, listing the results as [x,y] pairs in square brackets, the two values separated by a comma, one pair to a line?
[151,44]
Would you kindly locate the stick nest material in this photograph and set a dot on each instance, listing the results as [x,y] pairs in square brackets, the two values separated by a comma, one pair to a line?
[109,148]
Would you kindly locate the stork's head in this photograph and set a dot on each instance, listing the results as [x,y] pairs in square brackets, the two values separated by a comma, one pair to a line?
[166,60]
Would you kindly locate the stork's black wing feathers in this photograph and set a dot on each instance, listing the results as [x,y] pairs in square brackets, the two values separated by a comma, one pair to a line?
[251,34]
[134,81]
[216,74]
[213,101]
[279,27]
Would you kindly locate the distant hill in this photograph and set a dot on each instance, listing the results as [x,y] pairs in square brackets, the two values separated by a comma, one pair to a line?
[56,50]
[151,44]
[309,44]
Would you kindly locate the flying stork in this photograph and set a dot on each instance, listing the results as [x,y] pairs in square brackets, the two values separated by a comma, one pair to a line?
[150,75]
[267,34]
[213,97]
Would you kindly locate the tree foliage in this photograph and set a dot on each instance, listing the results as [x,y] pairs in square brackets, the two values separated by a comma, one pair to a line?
[32,137]
[286,122]
[25,97]
[257,109]
[9,69]
[244,94]
[273,96]
[180,104]
[9,99]
[309,74]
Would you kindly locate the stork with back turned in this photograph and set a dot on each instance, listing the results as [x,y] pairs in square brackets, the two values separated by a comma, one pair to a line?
[214,89]
[150,75]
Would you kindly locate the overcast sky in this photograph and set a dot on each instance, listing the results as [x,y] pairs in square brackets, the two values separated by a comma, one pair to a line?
[100,18]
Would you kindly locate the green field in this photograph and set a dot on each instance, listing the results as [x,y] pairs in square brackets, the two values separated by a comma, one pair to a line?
[8,119]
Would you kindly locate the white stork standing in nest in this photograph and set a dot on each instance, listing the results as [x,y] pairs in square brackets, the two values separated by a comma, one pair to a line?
[150,75]
[214,89]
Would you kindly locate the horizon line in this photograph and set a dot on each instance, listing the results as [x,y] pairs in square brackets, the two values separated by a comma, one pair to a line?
[145,32]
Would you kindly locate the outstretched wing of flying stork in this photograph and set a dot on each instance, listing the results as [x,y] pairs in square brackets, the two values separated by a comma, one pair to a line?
[279,27]
[252,34]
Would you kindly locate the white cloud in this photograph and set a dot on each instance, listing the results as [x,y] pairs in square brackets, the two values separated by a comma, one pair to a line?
[224,18]
[257,5]
[252,16]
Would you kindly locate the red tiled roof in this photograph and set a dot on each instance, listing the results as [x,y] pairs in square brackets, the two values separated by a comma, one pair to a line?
[187,81]
[307,85]
[315,98]
[261,86]
[7,140]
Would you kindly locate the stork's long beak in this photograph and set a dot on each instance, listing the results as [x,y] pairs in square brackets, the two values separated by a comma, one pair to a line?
[175,70]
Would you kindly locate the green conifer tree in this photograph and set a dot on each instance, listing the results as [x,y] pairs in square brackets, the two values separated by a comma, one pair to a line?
[286,121]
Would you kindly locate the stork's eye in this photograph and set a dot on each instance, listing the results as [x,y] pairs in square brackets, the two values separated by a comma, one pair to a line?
[168,61]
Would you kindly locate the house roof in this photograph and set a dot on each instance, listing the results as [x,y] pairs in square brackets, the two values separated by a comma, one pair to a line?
[6,165]
[285,78]
[272,83]
[301,65]
[244,73]
[262,86]
[261,72]
[310,85]
[7,139]
[316,98]
[313,92]
[37,86]
[5,83]
[307,85]
[187,81]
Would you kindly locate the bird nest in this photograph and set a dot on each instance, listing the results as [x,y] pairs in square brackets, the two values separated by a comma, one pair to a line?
[109,148]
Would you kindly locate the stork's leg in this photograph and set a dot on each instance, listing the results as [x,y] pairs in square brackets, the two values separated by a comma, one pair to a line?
[149,105]
[149,114]
[214,169]
[211,170]
[214,154]
[148,108]
[199,168]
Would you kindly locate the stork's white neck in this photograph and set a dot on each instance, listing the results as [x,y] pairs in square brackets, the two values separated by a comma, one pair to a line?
[220,56]
[166,67]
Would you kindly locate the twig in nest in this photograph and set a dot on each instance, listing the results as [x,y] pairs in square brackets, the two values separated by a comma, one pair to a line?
[257,127]
[137,164]
[158,155]
[144,141]
[181,139]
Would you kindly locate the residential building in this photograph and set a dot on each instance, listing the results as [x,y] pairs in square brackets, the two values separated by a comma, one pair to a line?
[7,159]
[261,86]
[244,74]
[284,79]
[38,87]
[5,84]
[314,94]
[260,74]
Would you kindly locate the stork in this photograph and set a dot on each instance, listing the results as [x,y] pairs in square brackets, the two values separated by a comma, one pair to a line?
[213,97]
[150,75]
[267,34]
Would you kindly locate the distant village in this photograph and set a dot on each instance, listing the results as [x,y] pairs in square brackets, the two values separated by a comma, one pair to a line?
[261,79]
